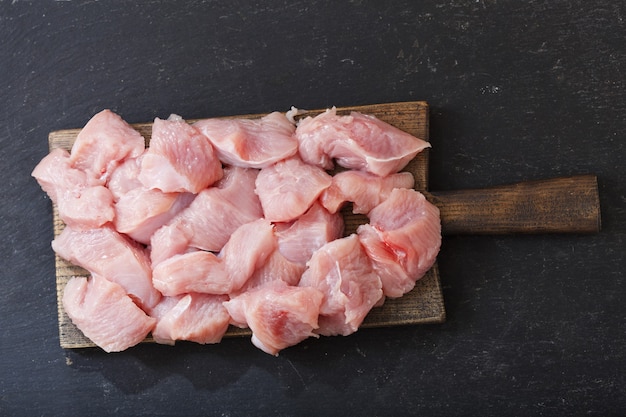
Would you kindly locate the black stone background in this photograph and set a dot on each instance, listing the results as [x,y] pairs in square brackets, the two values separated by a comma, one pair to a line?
[518,91]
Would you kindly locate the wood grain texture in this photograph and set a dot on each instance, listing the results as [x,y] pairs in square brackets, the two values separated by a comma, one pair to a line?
[424,304]
[559,205]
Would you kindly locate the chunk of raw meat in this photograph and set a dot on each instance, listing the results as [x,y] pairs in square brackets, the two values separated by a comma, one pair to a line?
[356,141]
[298,240]
[104,142]
[199,271]
[165,304]
[342,271]
[275,267]
[251,143]
[200,318]
[125,177]
[105,314]
[170,240]
[278,315]
[364,190]
[402,239]
[212,217]
[107,253]
[55,174]
[179,159]
[81,203]
[288,188]
[247,250]
[140,212]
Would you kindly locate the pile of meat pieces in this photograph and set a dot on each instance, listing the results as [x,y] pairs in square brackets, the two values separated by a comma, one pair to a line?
[236,221]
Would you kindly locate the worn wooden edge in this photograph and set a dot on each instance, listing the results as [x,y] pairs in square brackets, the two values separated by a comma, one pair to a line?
[556,205]
[423,305]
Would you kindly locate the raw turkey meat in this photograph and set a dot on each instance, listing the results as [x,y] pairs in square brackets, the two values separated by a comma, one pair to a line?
[125,177]
[140,212]
[55,175]
[342,271]
[107,253]
[212,216]
[402,239]
[279,315]
[276,267]
[356,141]
[236,222]
[197,271]
[170,240]
[298,240]
[179,159]
[251,143]
[105,314]
[82,204]
[288,188]
[104,142]
[364,190]
[200,318]
[247,250]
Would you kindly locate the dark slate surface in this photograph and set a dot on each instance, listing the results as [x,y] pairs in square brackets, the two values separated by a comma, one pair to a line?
[519,91]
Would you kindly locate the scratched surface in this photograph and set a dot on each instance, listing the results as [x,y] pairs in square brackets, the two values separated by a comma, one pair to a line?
[535,325]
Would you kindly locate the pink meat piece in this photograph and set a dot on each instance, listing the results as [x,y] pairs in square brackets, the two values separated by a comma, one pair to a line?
[356,141]
[275,267]
[363,189]
[278,315]
[298,240]
[200,318]
[402,239]
[212,217]
[125,177]
[247,250]
[342,271]
[199,271]
[103,143]
[81,203]
[170,240]
[288,188]
[107,253]
[140,212]
[251,143]
[165,304]
[179,159]
[105,314]
[55,174]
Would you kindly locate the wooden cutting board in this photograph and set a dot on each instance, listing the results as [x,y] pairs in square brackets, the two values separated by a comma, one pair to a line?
[561,205]
[422,305]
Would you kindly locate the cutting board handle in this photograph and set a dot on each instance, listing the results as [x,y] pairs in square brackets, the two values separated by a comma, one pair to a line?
[559,205]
